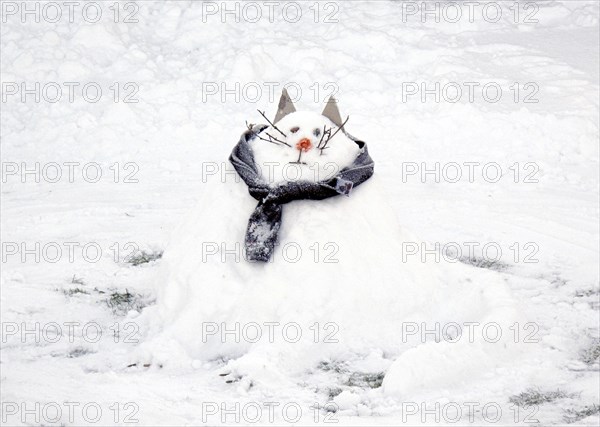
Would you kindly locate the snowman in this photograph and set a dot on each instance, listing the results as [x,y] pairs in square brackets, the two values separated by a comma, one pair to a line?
[295,261]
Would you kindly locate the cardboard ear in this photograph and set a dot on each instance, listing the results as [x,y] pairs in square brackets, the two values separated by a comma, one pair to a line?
[286,106]
[332,112]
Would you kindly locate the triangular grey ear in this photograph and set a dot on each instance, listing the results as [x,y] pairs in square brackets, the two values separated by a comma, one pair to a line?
[286,106]
[332,112]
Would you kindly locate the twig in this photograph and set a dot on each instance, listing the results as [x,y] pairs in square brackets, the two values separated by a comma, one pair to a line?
[298,162]
[282,142]
[271,139]
[339,129]
[325,131]
[331,136]
[262,113]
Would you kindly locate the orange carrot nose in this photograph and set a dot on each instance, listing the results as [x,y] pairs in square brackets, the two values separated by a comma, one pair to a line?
[304,144]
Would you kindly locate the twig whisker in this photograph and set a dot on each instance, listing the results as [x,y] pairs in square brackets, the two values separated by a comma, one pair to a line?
[262,113]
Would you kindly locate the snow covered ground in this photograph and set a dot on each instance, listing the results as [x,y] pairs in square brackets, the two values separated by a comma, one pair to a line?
[154,95]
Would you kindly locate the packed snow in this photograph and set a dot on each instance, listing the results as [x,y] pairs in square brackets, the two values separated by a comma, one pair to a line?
[459,285]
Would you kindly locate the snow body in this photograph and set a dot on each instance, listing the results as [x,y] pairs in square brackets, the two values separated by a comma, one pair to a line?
[340,284]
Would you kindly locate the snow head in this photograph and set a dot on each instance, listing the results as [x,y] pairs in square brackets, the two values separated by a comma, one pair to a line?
[303,145]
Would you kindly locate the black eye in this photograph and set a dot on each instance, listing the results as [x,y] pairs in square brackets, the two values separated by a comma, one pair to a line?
[294,129]
[317,132]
